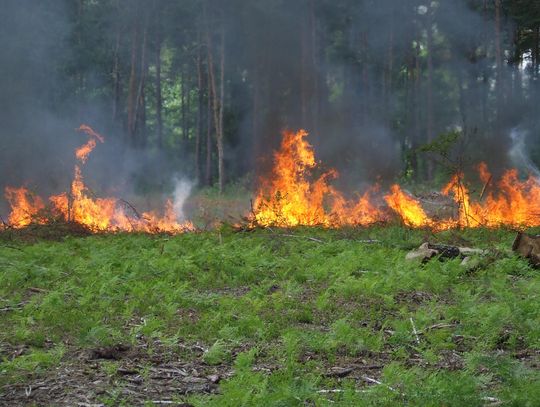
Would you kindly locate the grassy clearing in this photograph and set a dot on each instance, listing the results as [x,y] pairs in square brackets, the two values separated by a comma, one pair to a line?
[268,317]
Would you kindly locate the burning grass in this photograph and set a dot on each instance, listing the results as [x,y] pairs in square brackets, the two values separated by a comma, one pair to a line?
[290,196]
[79,206]
[273,317]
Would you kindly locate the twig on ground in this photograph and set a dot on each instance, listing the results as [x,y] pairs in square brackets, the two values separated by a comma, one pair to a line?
[13,307]
[375,381]
[12,247]
[313,239]
[493,401]
[415,331]
[438,326]
[37,290]
[326,391]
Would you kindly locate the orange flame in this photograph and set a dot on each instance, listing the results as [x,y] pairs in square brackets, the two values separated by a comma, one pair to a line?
[410,210]
[97,214]
[291,198]
[293,195]
[82,152]
[25,207]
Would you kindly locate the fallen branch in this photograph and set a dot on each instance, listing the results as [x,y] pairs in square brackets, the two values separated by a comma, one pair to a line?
[13,307]
[305,237]
[437,326]
[493,401]
[415,331]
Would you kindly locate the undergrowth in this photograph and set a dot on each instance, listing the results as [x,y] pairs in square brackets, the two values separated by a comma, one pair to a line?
[282,309]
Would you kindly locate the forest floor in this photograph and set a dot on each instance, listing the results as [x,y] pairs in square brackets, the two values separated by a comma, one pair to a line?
[270,317]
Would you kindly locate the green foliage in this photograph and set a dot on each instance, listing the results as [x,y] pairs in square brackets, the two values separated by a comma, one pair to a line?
[300,307]
[443,144]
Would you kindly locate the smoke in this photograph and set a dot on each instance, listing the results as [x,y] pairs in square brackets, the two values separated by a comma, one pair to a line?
[182,191]
[518,153]
[49,87]
[354,74]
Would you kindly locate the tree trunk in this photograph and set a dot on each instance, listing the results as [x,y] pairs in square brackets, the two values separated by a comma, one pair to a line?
[536,51]
[221,159]
[430,129]
[116,73]
[499,60]
[159,97]
[217,99]
[208,167]
[200,107]
[140,107]
[183,104]
[132,88]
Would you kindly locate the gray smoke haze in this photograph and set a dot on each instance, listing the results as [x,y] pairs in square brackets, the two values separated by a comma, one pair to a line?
[519,155]
[38,122]
[286,63]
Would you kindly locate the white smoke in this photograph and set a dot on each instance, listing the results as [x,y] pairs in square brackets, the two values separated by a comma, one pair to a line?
[182,190]
[518,153]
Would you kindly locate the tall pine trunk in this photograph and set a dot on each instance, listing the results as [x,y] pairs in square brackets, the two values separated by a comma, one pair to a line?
[430,125]
[217,98]
[159,97]
[200,107]
[132,87]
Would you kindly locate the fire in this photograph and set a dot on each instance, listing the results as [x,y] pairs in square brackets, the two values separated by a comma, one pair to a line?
[25,206]
[77,205]
[296,193]
[410,210]
[82,152]
[292,196]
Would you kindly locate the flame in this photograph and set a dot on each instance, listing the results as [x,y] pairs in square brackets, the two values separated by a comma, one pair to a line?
[97,214]
[295,195]
[82,152]
[292,196]
[25,207]
[409,209]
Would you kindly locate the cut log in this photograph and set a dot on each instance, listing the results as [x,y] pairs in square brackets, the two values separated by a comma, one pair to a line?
[426,251]
[528,247]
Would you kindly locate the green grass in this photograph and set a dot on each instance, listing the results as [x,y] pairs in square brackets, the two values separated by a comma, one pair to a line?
[280,311]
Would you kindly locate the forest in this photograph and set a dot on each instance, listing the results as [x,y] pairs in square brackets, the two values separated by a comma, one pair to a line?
[269,203]
[205,88]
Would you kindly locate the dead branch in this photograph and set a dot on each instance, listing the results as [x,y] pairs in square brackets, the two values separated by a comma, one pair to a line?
[313,239]
[131,207]
[485,187]
[415,331]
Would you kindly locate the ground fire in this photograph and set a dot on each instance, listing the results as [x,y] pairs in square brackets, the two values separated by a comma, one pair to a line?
[77,205]
[291,197]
